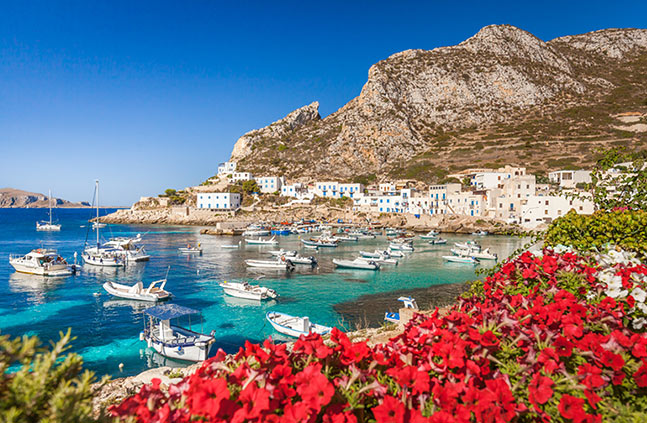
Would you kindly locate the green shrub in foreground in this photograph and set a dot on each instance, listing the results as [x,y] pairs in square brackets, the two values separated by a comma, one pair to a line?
[49,386]
[624,228]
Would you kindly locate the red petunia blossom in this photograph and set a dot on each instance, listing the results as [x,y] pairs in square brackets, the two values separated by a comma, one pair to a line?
[591,375]
[540,389]
[572,408]
[391,410]
[355,353]
[563,347]
[489,339]
[641,376]
[314,388]
[409,376]
[612,360]
[206,397]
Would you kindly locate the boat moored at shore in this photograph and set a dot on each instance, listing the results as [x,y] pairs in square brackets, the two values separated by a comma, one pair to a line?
[294,326]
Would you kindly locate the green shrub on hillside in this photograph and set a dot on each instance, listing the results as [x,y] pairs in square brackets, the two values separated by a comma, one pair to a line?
[48,386]
[624,228]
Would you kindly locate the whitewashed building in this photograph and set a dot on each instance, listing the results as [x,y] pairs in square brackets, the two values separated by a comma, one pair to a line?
[326,189]
[226,168]
[241,176]
[296,190]
[570,178]
[269,184]
[351,190]
[544,209]
[466,204]
[513,194]
[224,201]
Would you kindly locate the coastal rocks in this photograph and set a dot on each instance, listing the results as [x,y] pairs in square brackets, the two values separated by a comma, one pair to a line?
[276,130]
[15,198]
[419,102]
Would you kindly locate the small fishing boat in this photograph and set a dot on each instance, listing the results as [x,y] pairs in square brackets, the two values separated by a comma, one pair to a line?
[189,249]
[375,254]
[282,252]
[43,262]
[48,226]
[128,248]
[356,264]
[395,253]
[361,235]
[346,238]
[98,225]
[408,302]
[380,260]
[429,235]
[469,245]
[311,247]
[281,264]
[137,291]
[318,243]
[247,291]
[484,255]
[438,241]
[256,230]
[480,233]
[261,241]
[310,261]
[401,246]
[461,259]
[104,257]
[172,340]
[294,326]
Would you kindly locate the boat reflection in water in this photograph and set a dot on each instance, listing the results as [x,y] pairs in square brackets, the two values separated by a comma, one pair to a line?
[35,286]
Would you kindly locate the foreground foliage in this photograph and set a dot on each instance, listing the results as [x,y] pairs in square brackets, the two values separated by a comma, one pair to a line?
[624,228]
[551,336]
[47,385]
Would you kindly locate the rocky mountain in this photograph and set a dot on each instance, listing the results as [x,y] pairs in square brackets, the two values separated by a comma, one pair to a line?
[15,198]
[502,96]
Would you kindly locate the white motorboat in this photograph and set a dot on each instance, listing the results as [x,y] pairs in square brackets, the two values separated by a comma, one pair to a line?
[281,264]
[153,293]
[311,247]
[438,241]
[480,233]
[256,232]
[172,340]
[484,255]
[48,226]
[43,262]
[231,246]
[469,245]
[401,246]
[429,235]
[294,326]
[310,261]
[358,263]
[128,248]
[189,249]
[346,238]
[461,259]
[395,253]
[319,243]
[261,241]
[247,291]
[375,254]
[361,235]
[283,253]
[407,302]
[380,260]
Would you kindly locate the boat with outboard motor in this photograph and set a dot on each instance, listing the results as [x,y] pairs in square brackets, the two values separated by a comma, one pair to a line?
[247,291]
[261,241]
[189,249]
[358,263]
[380,260]
[429,235]
[293,325]
[172,340]
[281,263]
[438,241]
[153,293]
[461,259]
[128,248]
[319,243]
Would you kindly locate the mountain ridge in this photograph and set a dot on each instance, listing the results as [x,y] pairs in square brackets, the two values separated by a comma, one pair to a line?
[501,96]
[16,198]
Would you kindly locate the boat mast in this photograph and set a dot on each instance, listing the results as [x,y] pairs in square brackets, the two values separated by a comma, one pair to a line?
[97,188]
[49,202]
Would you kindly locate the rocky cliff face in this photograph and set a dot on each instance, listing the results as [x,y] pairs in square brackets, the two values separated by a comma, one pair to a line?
[503,95]
[15,198]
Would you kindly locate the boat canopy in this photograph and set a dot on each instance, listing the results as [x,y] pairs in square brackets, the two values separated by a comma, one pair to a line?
[169,311]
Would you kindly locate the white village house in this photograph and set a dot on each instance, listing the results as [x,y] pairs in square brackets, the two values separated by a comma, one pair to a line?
[224,201]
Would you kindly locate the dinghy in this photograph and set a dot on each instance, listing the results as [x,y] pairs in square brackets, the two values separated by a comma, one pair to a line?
[282,252]
[469,245]
[438,241]
[429,235]
[480,233]
[380,260]
[247,291]
[408,302]
[484,255]
[356,264]
[401,246]
[320,243]
[395,253]
[461,259]
[294,326]
[137,291]
[375,254]
[261,241]
[284,264]
[310,261]
[311,247]
[190,250]
[172,340]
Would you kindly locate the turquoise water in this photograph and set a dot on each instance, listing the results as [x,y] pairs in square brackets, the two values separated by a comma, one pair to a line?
[107,329]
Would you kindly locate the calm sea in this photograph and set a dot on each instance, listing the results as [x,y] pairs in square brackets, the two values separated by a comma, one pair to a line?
[107,329]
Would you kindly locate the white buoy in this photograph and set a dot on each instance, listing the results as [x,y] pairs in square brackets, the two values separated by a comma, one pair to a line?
[121,367]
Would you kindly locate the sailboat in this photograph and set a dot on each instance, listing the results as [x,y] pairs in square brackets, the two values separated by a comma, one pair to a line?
[48,226]
[102,256]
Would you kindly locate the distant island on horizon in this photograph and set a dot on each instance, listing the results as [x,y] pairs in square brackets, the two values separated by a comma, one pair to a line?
[16,198]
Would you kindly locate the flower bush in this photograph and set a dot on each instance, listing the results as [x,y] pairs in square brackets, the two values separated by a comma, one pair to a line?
[550,336]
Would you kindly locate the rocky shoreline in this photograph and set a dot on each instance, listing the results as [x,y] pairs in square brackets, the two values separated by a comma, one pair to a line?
[234,223]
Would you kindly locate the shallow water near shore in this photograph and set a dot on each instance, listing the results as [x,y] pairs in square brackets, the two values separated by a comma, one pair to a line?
[107,329]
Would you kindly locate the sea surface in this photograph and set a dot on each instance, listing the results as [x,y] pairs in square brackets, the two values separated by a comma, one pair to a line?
[107,329]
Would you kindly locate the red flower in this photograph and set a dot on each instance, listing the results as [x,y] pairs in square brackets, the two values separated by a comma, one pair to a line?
[572,408]
[411,377]
[354,353]
[391,410]
[612,360]
[489,339]
[314,388]
[540,389]
[641,376]
[563,347]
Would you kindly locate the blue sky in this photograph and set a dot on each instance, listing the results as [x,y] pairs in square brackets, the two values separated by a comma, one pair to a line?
[150,95]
